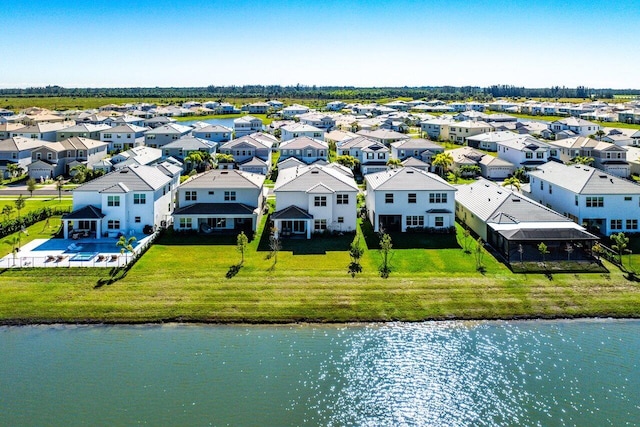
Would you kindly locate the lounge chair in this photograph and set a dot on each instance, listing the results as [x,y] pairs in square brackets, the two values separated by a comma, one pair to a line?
[60,258]
[101,258]
[114,257]
[50,258]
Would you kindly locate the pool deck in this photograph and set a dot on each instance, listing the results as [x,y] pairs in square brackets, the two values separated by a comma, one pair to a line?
[29,256]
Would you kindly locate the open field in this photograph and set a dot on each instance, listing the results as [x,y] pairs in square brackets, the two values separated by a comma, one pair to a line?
[202,282]
[34,203]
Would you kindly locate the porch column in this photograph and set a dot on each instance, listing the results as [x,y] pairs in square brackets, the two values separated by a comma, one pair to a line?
[309,225]
[65,228]
[98,229]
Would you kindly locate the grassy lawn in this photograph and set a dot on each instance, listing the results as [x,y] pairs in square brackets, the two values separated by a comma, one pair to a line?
[308,281]
[265,120]
[40,230]
[35,203]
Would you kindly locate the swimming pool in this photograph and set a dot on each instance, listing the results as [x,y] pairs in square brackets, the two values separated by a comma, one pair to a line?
[83,256]
[81,247]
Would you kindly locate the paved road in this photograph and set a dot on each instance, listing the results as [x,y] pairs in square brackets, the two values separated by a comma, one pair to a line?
[25,193]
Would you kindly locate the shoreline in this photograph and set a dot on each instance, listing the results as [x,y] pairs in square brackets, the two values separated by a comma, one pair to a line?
[196,322]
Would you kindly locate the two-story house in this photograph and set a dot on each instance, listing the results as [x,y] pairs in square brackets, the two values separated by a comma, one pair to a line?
[251,153]
[57,158]
[43,131]
[181,148]
[123,137]
[17,150]
[578,126]
[82,130]
[371,155]
[524,151]
[318,120]
[295,130]
[247,125]
[215,133]
[220,200]
[125,201]
[163,135]
[305,149]
[437,129]
[460,131]
[314,199]
[603,202]
[418,148]
[294,110]
[408,198]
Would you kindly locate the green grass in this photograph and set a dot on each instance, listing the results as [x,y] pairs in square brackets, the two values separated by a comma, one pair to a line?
[265,120]
[174,281]
[35,203]
[40,230]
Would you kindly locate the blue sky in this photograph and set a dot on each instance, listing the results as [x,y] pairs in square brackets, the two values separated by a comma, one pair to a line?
[346,43]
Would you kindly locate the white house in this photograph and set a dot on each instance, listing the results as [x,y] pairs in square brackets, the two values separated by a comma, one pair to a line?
[247,125]
[418,148]
[294,110]
[319,120]
[605,203]
[314,199]
[296,130]
[524,151]
[578,126]
[123,137]
[126,201]
[163,135]
[17,150]
[251,153]
[215,133]
[406,198]
[220,200]
[460,131]
[489,141]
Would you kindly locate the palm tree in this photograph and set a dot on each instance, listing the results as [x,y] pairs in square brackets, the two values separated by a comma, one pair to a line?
[194,159]
[583,160]
[442,162]
[15,169]
[599,134]
[512,182]
[126,245]
[394,163]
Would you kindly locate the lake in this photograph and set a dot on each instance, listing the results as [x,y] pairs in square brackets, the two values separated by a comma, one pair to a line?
[546,373]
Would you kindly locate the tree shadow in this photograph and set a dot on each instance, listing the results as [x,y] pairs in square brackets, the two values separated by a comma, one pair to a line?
[233,270]
[410,240]
[115,275]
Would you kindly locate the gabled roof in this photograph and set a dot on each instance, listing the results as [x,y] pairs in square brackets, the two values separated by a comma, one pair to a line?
[134,178]
[300,127]
[224,179]
[303,142]
[362,142]
[407,178]
[213,129]
[524,142]
[413,162]
[87,212]
[247,119]
[383,134]
[290,162]
[291,212]
[19,143]
[124,129]
[190,143]
[257,140]
[215,208]
[170,129]
[79,143]
[253,162]
[417,144]
[85,127]
[581,179]
[306,178]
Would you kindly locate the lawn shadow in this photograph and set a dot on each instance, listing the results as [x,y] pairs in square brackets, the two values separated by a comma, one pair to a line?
[226,238]
[409,240]
[318,244]
[115,274]
[233,270]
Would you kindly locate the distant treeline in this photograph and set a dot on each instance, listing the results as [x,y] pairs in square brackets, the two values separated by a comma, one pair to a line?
[447,93]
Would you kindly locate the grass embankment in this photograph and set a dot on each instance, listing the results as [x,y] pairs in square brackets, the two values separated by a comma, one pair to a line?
[34,203]
[308,282]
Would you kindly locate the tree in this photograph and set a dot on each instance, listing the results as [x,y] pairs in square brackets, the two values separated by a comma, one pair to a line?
[394,163]
[31,186]
[224,158]
[59,186]
[347,161]
[126,245]
[15,169]
[521,174]
[466,234]
[241,245]
[599,134]
[78,174]
[512,182]
[19,202]
[14,242]
[479,254]
[583,160]
[442,162]
[385,251]
[274,245]
[7,210]
[355,253]
[544,250]
[620,243]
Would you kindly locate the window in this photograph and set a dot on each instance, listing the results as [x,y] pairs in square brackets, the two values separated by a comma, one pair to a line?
[320,201]
[632,224]
[369,155]
[542,185]
[186,222]
[539,155]
[388,198]
[381,155]
[151,137]
[616,224]
[412,198]
[528,155]
[113,200]
[439,221]
[107,135]
[595,202]
[340,219]
[437,197]
[229,196]
[113,224]
[576,198]
[14,155]
[415,221]
[191,195]
[627,198]
[137,219]
[319,225]
[342,199]
[550,189]
[139,199]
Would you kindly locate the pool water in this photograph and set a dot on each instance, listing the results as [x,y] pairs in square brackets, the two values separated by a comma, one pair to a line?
[82,247]
[83,256]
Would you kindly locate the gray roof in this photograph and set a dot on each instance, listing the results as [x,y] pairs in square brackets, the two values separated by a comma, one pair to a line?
[291,212]
[213,129]
[134,178]
[303,142]
[124,129]
[170,129]
[413,162]
[257,140]
[495,204]
[87,212]
[407,178]
[19,143]
[581,179]
[224,179]
[191,143]
[309,177]
[417,144]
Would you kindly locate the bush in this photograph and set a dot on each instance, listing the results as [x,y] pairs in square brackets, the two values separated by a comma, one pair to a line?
[14,225]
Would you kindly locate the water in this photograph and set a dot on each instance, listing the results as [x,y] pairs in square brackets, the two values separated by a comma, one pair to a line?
[534,373]
[107,246]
